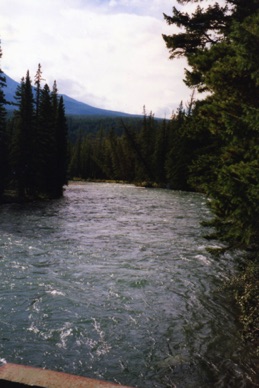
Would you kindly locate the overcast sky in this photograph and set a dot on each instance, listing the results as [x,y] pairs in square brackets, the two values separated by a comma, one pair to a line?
[106,53]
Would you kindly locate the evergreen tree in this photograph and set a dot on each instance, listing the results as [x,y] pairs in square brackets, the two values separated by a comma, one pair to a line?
[22,147]
[37,141]
[85,153]
[3,140]
[204,147]
[112,157]
[160,152]
[221,46]
[46,144]
[61,148]
[55,99]
[179,153]
[37,82]
[99,155]
[128,161]
[75,165]
[146,141]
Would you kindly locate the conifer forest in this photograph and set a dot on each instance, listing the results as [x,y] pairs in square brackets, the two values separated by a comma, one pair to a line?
[33,141]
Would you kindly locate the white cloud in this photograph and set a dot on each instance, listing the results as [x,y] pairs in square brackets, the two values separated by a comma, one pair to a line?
[109,54]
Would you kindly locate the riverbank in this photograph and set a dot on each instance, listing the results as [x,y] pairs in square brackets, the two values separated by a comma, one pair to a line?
[147,184]
[11,196]
[245,289]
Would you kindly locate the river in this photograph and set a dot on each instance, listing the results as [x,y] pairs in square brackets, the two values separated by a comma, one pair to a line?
[116,282]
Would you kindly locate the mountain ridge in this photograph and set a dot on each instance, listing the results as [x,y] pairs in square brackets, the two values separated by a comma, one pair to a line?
[73,107]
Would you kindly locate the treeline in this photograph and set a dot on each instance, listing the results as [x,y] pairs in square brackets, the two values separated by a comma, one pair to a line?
[93,124]
[221,46]
[149,151]
[33,142]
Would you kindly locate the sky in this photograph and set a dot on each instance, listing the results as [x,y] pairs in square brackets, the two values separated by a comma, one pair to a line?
[106,53]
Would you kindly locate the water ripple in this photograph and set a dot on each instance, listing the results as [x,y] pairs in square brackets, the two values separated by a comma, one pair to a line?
[118,283]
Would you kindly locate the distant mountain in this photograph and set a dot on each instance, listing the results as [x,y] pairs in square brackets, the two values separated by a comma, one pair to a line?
[72,106]
[10,90]
[76,108]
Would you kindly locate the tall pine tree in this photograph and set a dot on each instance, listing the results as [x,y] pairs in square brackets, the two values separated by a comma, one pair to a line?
[22,147]
[221,46]
[3,140]
[45,143]
[61,148]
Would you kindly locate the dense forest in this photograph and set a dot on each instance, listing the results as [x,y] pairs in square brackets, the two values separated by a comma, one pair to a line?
[33,142]
[143,151]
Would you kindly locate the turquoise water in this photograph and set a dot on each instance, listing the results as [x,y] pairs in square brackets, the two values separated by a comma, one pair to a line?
[115,282]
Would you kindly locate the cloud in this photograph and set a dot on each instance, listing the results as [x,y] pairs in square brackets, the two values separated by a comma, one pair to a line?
[153,8]
[109,54]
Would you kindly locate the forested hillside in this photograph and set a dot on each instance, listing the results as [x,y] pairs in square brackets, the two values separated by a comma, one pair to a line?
[82,125]
[33,142]
[72,106]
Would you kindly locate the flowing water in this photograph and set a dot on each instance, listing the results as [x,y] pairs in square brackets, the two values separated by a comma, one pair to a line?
[115,282]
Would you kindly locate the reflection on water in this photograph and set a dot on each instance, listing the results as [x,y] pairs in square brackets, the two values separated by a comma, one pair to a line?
[115,282]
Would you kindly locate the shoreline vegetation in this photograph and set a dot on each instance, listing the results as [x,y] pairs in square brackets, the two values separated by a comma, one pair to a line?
[143,184]
[33,142]
[245,289]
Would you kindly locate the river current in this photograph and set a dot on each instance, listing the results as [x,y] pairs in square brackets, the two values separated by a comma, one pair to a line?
[116,282]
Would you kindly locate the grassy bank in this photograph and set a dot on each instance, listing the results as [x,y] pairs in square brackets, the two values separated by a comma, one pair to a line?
[245,289]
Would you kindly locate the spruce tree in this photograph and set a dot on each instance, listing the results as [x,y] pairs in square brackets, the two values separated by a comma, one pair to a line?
[160,152]
[61,148]
[22,147]
[3,139]
[221,46]
[179,154]
[75,165]
[46,144]
[146,140]
[37,82]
